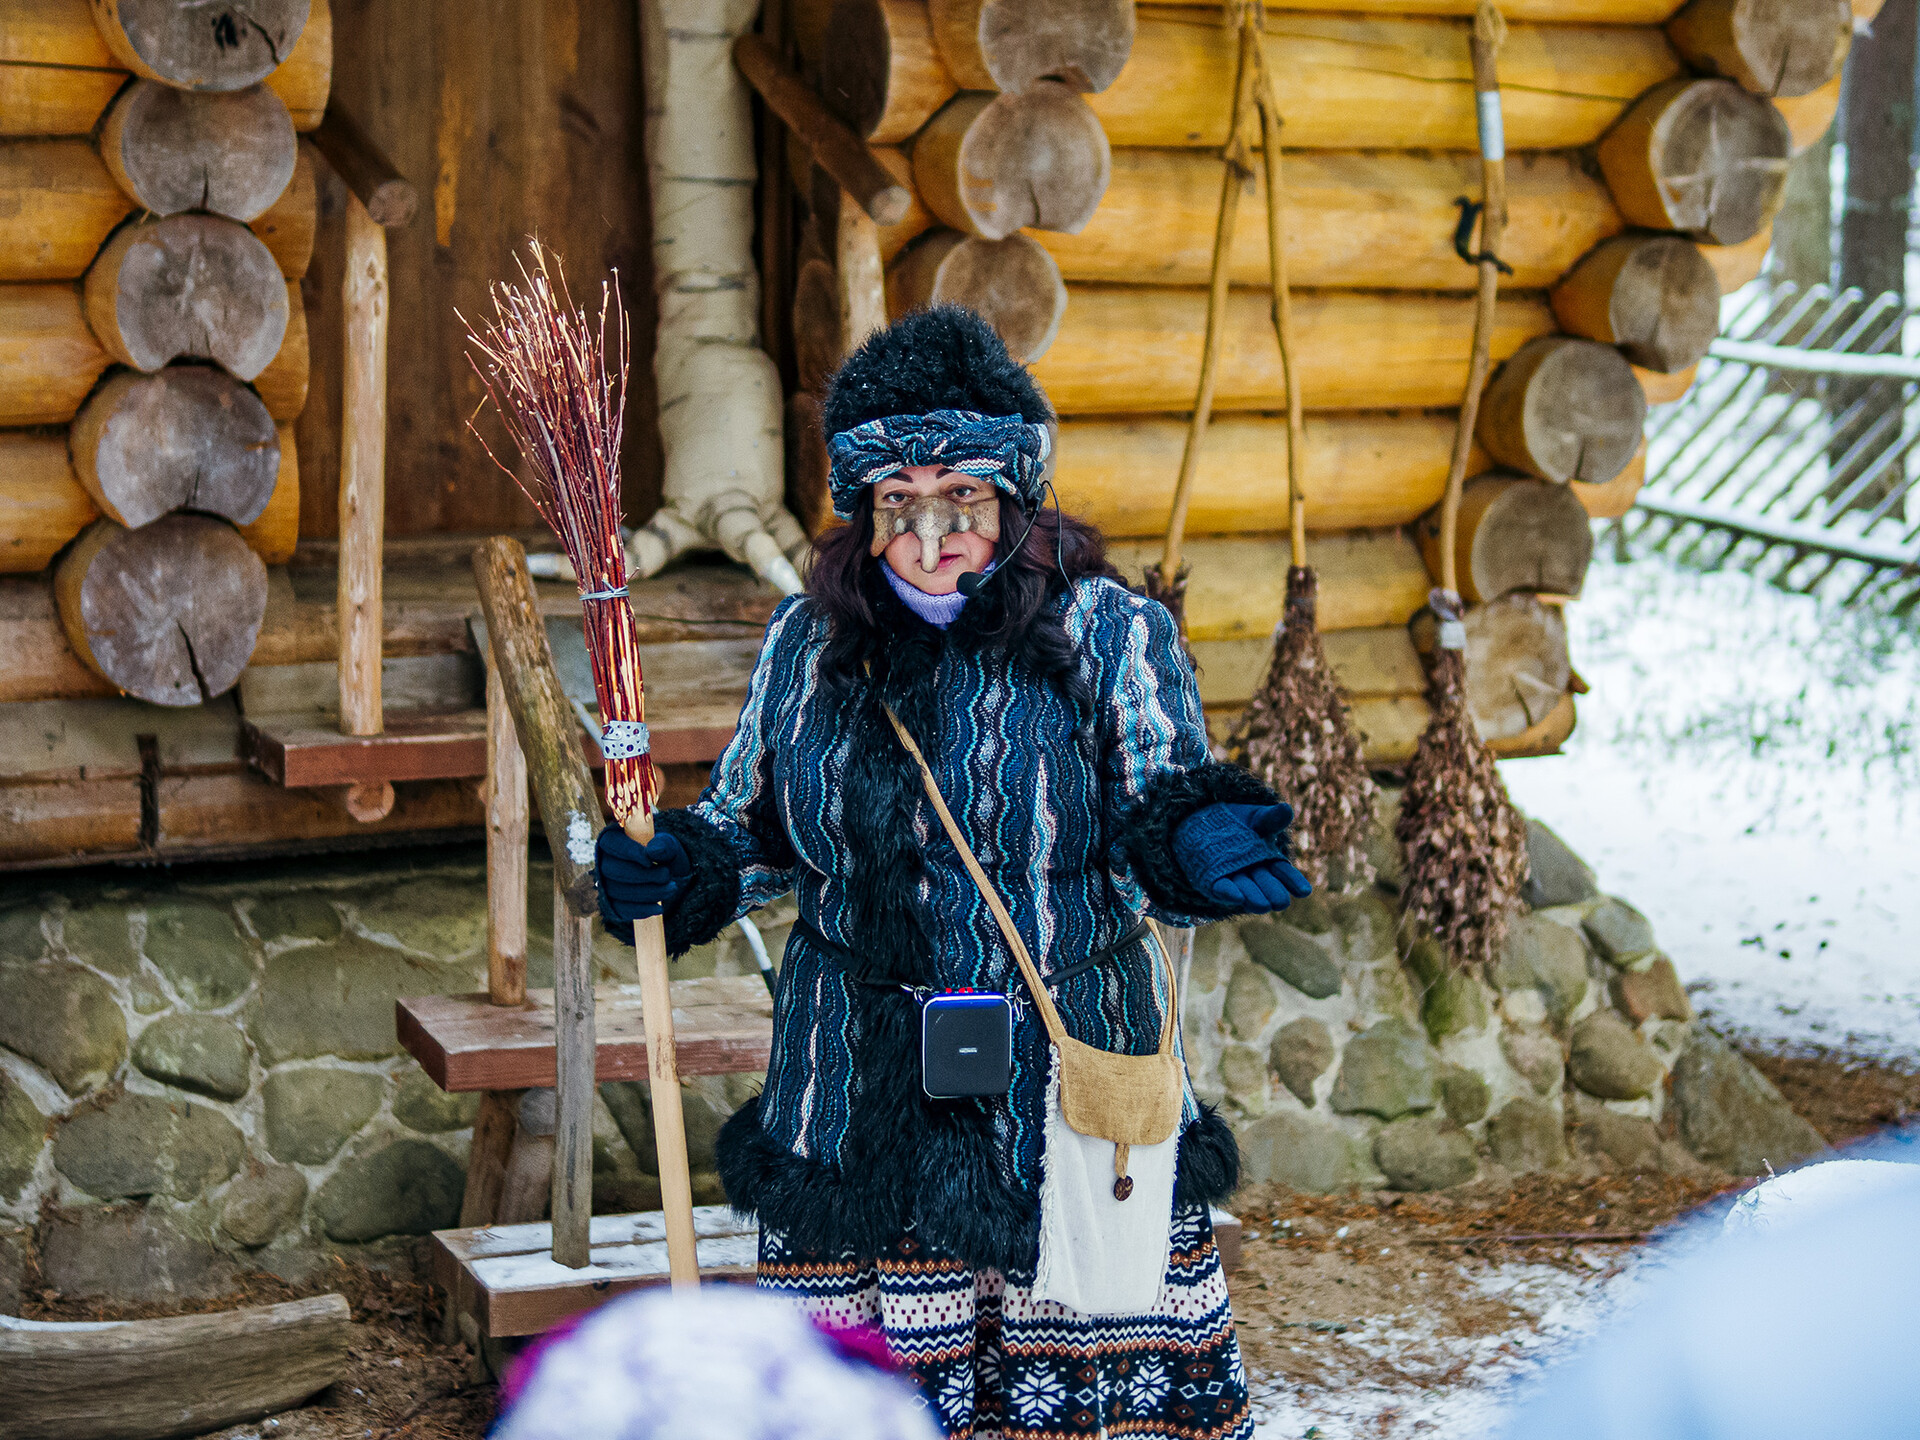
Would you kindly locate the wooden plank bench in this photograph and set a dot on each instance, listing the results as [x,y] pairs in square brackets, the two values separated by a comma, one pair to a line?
[722,1026]
[506,1278]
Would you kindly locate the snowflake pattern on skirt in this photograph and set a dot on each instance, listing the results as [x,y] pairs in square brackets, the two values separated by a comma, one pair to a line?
[995,1364]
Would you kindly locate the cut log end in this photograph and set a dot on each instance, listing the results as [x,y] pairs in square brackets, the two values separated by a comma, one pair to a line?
[1700,156]
[1013,284]
[198,286]
[1009,44]
[173,150]
[1515,534]
[1657,297]
[1518,666]
[227,45]
[1768,48]
[1564,409]
[187,438]
[170,612]
[991,165]
[879,69]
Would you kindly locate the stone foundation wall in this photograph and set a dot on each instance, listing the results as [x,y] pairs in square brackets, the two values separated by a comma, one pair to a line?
[1347,1054]
[199,1075]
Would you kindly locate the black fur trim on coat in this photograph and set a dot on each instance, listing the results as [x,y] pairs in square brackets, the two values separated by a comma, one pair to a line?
[943,358]
[908,1163]
[964,1210]
[706,906]
[1149,830]
[1209,1161]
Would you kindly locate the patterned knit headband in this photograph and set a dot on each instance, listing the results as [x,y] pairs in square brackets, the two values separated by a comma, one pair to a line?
[1001,448]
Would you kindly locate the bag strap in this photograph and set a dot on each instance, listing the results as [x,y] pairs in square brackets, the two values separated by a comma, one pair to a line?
[1043,1001]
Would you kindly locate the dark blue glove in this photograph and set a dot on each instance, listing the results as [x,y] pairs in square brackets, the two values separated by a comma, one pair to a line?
[1234,854]
[637,882]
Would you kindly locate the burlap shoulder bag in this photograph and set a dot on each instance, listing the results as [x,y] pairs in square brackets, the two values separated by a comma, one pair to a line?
[1127,1099]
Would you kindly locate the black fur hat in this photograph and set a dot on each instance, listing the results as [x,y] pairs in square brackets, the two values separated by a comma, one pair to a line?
[943,358]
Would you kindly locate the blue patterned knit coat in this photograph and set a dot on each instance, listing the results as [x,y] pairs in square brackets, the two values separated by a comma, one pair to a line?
[843,1152]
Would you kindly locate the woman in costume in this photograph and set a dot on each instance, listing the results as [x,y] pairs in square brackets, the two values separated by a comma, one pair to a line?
[1062,724]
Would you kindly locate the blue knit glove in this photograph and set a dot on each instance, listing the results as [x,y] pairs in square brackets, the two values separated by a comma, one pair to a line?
[1235,855]
[637,882]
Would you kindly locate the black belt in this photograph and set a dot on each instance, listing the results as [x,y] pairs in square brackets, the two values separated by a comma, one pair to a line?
[848,961]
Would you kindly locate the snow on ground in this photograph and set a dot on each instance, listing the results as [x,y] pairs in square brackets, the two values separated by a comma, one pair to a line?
[1746,771]
[1454,1388]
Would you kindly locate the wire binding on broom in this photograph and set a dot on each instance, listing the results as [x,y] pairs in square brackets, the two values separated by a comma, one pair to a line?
[557,378]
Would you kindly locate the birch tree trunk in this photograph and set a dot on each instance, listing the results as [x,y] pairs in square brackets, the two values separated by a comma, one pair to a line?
[720,397]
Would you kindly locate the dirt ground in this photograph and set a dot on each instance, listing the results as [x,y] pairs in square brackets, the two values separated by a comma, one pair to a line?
[1333,1291]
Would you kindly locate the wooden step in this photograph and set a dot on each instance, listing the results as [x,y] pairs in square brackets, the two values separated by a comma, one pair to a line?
[722,1026]
[506,1278]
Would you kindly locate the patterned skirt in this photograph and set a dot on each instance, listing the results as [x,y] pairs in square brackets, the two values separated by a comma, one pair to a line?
[993,1363]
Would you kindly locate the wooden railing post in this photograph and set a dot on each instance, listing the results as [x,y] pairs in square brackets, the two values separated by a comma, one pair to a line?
[378,198]
[570,812]
[363,477]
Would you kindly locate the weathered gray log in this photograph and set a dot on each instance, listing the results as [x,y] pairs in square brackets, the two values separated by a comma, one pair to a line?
[1564,409]
[1013,284]
[222,45]
[1702,156]
[1515,533]
[1770,47]
[187,438]
[1654,296]
[1009,44]
[199,286]
[994,164]
[170,612]
[155,1379]
[549,735]
[174,150]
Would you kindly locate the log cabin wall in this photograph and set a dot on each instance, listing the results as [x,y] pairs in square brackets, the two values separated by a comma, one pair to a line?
[171,335]
[1065,160]
[159,213]
[512,119]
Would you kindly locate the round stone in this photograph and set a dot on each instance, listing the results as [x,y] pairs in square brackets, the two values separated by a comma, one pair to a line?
[23,1135]
[1527,1134]
[1251,1001]
[1294,956]
[1620,933]
[421,1105]
[1464,1095]
[409,1187]
[260,1206]
[1425,1153]
[311,1113]
[1609,1059]
[201,1053]
[64,1018]
[146,1145]
[1388,1070]
[1305,1153]
[198,948]
[1300,1054]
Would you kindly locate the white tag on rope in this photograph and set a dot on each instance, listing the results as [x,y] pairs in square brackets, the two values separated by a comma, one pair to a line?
[1493,134]
[1453,635]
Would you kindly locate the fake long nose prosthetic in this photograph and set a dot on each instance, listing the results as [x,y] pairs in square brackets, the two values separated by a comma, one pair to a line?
[932,518]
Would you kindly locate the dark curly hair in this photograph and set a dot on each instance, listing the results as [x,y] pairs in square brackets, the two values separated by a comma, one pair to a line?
[948,358]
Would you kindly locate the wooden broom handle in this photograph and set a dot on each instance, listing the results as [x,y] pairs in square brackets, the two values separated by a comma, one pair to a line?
[663,1079]
[1231,183]
[1489,32]
[1282,305]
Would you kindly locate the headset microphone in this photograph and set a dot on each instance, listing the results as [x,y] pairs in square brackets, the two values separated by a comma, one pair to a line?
[970,582]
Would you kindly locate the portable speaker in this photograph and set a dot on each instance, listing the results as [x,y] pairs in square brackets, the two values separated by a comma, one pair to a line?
[966,1046]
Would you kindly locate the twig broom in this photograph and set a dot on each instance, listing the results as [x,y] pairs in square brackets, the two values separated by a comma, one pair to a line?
[1465,844]
[557,378]
[1295,733]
